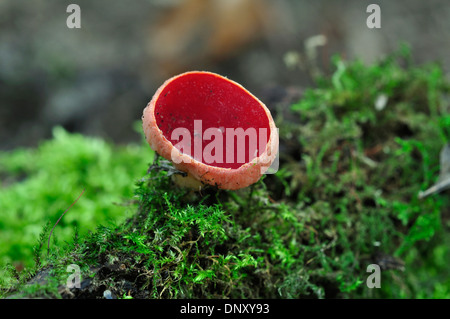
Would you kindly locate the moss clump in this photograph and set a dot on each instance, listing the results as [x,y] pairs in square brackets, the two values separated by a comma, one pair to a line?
[355,152]
[37,185]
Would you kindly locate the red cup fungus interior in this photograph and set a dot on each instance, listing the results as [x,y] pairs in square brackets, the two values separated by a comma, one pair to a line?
[219,103]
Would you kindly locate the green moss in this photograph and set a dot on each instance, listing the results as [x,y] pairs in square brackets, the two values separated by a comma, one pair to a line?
[38,185]
[345,197]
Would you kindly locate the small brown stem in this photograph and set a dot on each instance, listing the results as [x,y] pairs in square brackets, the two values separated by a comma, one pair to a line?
[50,235]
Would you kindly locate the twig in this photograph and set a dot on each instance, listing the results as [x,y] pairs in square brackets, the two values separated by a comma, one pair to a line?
[49,236]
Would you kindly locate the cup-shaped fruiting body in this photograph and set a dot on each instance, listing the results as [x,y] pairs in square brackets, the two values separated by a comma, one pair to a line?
[211,128]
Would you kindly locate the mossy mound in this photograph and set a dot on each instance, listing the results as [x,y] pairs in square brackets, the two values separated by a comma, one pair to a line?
[354,154]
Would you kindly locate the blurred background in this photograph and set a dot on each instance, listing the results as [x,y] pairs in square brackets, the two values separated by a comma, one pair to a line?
[96,80]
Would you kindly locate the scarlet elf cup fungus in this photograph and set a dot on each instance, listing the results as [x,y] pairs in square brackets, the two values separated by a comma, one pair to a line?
[211,128]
